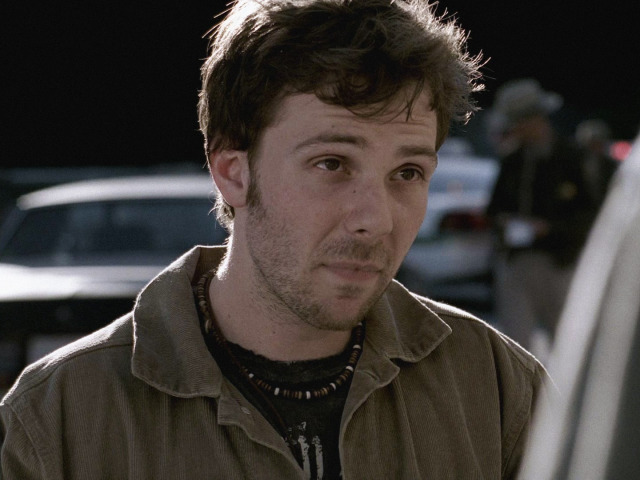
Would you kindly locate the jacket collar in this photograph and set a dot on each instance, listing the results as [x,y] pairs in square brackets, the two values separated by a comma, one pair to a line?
[401,325]
[169,352]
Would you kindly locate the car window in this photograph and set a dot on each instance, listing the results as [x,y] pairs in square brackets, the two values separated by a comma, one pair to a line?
[79,233]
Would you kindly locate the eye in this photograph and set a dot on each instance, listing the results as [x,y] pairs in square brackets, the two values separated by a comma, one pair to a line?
[409,174]
[331,164]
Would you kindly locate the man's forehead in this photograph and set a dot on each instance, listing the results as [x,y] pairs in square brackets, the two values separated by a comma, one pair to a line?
[304,122]
[294,105]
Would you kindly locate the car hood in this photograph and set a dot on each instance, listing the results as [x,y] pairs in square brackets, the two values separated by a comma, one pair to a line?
[20,283]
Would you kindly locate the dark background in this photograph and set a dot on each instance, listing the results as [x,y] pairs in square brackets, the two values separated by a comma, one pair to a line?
[115,83]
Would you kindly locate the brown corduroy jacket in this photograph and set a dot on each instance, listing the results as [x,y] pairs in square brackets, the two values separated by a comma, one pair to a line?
[437,394]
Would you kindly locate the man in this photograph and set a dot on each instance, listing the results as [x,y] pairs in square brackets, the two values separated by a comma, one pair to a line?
[290,353]
[543,205]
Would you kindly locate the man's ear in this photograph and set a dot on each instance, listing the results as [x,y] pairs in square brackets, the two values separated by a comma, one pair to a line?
[230,172]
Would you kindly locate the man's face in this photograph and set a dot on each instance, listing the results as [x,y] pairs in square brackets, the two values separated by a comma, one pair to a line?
[339,200]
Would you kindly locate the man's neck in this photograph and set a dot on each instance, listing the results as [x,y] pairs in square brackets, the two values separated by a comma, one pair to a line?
[277,334]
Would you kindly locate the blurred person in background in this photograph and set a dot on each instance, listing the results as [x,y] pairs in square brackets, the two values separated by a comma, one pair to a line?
[290,352]
[594,136]
[543,205]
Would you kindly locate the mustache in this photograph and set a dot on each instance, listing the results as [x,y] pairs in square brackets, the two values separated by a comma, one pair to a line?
[354,250]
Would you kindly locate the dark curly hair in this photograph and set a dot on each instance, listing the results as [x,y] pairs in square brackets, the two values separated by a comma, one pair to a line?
[358,54]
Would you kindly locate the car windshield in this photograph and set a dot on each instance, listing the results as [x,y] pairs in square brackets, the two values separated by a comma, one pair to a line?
[145,231]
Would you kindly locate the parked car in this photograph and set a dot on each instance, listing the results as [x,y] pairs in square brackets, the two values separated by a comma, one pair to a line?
[17,181]
[451,259]
[73,257]
[591,430]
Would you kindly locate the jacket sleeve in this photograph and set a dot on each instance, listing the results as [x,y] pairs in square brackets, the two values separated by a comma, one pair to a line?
[542,389]
[18,457]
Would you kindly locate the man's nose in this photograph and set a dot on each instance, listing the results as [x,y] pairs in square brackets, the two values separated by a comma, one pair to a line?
[369,207]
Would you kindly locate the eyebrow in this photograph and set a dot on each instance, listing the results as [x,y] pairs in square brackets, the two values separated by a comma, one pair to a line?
[417,150]
[331,138]
[360,142]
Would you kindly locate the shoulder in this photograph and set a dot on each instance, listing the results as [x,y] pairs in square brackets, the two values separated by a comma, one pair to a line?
[62,396]
[487,360]
[77,361]
[472,336]
[494,382]
[423,326]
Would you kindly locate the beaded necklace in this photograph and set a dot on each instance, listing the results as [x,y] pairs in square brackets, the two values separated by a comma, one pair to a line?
[212,329]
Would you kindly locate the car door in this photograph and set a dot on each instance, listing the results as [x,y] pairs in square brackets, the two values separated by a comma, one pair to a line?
[591,430]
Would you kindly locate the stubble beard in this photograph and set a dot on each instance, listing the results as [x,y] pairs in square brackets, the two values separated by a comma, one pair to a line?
[279,284]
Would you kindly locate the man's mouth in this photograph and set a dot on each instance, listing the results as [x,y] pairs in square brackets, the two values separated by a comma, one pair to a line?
[354,271]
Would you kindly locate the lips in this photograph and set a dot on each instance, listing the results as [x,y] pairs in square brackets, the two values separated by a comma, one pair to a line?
[353,271]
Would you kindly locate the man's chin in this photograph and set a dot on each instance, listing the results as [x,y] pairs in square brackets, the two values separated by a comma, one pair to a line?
[336,324]
[344,317]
